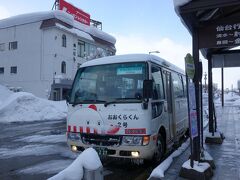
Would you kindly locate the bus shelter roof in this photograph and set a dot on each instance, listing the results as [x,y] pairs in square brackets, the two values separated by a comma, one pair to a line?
[216,21]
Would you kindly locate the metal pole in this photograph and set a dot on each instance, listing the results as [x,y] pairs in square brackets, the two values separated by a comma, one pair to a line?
[196,140]
[210,94]
[222,86]
[201,124]
[205,80]
[190,133]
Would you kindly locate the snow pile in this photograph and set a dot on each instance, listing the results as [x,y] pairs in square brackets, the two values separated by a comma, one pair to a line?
[88,159]
[158,172]
[61,15]
[4,93]
[22,106]
[35,17]
[199,167]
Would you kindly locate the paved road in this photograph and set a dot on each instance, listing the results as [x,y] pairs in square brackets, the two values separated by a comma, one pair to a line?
[32,150]
[38,150]
[227,155]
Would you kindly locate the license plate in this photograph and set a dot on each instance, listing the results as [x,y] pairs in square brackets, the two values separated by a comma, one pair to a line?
[101,151]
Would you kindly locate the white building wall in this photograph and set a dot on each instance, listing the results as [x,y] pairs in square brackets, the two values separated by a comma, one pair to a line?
[38,57]
[27,56]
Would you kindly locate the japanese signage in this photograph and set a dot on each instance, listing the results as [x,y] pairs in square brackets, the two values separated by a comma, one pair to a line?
[189,66]
[123,119]
[220,35]
[129,70]
[78,14]
[192,110]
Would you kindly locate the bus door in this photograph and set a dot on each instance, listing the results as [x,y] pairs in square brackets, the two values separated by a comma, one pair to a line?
[158,99]
[169,105]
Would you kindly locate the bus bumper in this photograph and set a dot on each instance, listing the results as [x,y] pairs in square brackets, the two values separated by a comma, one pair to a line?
[129,152]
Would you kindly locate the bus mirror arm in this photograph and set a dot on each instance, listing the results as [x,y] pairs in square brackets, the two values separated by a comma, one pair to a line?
[145,104]
[147,92]
[68,96]
[147,89]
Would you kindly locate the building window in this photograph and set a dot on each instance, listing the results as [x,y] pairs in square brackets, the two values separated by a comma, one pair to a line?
[63,67]
[81,49]
[2,47]
[13,45]
[64,41]
[13,70]
[1,70]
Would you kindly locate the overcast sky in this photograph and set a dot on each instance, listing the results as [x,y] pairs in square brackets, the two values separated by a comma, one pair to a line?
[139,26]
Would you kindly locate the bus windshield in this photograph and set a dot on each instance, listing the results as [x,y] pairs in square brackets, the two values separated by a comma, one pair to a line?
[109,82]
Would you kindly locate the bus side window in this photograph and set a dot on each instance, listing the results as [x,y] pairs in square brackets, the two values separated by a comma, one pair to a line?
[184,85]
[158,92]
[177,86]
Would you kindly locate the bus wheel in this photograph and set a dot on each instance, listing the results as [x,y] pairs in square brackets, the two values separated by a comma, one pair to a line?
[160,149]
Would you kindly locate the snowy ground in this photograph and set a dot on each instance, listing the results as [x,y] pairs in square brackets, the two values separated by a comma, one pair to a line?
[32,136]
[33,141]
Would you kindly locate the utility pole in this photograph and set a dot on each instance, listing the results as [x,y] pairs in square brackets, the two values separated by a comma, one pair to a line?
[205,82]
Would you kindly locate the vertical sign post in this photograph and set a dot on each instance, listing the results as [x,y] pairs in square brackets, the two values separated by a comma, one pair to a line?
[192,114]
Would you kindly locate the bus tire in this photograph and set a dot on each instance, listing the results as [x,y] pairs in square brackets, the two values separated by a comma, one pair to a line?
[158,155]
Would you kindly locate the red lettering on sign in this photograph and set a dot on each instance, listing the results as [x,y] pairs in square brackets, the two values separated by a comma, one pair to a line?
[78,14]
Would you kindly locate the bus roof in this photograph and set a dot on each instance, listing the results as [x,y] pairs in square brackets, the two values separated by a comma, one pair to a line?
[132,58]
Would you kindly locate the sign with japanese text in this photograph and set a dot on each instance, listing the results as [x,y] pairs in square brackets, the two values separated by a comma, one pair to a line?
[220,35]
[78,14]
[189,66]
[192,110]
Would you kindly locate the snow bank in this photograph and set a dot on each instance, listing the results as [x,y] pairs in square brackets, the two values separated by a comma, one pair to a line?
[22,106]
[158,172]
[4,93]
[200,167]
[88,159]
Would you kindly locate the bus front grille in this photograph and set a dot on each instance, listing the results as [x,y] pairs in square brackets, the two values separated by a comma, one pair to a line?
[101,140]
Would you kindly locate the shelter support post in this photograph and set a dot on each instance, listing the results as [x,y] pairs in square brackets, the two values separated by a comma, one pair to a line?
[215,137]
[196,140]
[210,95]
[222,69]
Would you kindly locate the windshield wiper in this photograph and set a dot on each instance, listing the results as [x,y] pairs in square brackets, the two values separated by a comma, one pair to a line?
[88,101]
[117,100]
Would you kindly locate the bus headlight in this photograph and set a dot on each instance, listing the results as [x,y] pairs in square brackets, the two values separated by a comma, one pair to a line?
[73,136]
[132,140]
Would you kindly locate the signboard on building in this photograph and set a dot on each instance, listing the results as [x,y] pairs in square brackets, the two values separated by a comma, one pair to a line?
[78,14]
[225,34]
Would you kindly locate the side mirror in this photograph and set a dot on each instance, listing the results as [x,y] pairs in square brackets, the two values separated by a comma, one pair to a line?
[68,95]
[147,89]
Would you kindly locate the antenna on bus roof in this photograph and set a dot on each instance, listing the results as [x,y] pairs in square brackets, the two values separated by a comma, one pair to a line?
[153,52]
[55,5]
